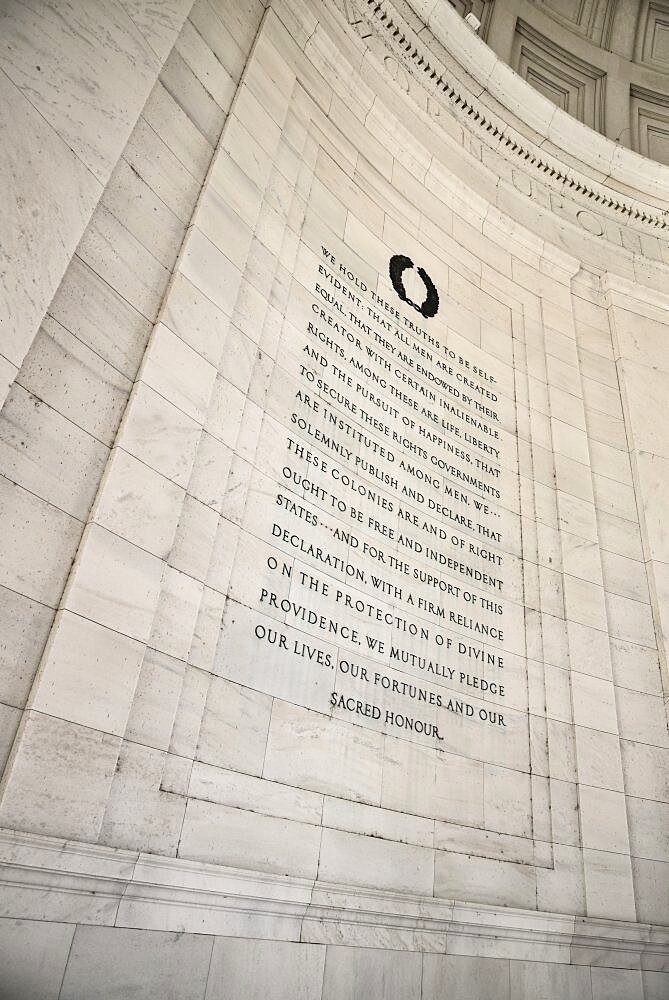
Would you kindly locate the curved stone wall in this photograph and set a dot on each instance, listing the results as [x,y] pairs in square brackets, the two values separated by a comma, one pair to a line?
[335,559]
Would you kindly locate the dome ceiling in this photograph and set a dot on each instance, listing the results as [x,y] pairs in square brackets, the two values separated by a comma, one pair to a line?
[606,62]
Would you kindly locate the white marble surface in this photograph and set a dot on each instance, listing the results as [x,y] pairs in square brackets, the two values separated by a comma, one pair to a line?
[137,808]
[257,969]
[121,260]
[35,955]
[81,871]
[88,674]
[93,398]
[131,490]
[160,721]
[33,446]
[98,316]
[76,77]
[69,85]
[158,23]
[35,525]
[117,964]
[115,583]
[244,839]
[86,758]
[26,625]
[44,223]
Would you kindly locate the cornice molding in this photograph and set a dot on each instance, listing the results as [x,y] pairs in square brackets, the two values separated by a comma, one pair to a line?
[599,157]
[621,290]
[47,878]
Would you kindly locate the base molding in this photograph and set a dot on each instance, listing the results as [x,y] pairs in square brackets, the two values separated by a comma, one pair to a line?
[51,879]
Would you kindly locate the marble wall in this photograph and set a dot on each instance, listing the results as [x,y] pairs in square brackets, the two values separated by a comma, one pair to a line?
[74,80]
[334,569]
[118,962]
[63,409]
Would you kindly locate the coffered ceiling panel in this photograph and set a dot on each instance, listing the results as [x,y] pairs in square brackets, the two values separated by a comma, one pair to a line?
[650,124]
[590,18]
[653,35]
[573,84]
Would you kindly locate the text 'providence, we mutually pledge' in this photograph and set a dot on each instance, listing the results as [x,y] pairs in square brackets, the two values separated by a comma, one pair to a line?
[386,577]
